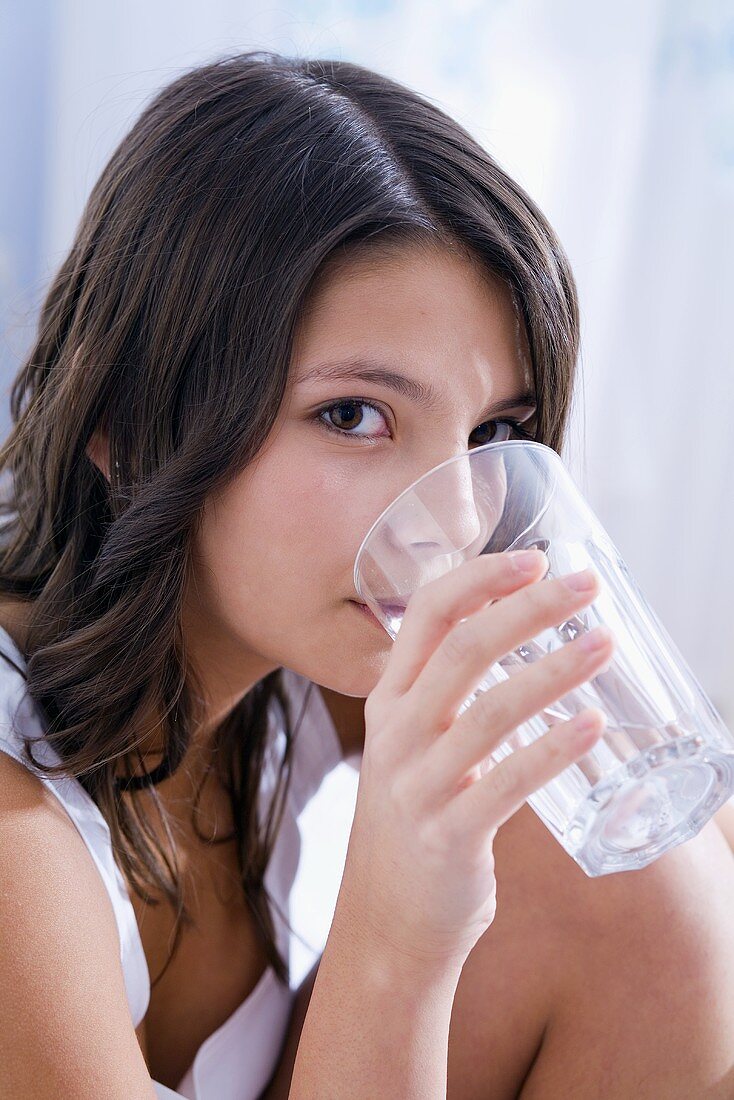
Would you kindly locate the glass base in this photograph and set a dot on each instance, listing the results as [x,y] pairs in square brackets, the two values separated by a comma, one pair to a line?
[649,805]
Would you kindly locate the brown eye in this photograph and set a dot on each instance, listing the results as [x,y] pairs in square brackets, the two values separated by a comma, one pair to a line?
[346,415]
[499,431]
[490,431]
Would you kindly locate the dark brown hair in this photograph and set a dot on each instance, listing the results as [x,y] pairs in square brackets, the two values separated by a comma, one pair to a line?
[169,326]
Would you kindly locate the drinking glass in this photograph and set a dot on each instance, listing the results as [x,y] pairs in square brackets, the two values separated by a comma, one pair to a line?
[665,762]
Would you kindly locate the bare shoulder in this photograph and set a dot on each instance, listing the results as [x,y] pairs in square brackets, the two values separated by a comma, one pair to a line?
[65,1027]
[649,1008]
[614,986]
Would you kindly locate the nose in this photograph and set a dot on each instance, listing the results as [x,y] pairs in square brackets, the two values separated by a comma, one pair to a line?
[448,512]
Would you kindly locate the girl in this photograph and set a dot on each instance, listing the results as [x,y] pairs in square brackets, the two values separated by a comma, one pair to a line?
[296,287]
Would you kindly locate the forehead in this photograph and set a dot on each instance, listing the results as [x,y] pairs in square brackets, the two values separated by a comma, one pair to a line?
[402,266]
[414,306]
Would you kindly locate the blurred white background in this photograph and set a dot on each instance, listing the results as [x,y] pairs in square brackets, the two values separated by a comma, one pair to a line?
[619,121]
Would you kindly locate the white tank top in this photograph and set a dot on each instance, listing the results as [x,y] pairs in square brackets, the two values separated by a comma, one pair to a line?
[237,1060]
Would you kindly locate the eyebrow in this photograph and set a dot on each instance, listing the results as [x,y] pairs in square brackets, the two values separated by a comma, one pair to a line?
[419,392]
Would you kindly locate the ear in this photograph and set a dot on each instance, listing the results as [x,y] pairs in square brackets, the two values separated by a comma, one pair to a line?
[98,449]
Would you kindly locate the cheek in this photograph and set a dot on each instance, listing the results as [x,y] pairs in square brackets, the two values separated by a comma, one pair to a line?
[275,568]
[337,507]
[325,497]
[287,528]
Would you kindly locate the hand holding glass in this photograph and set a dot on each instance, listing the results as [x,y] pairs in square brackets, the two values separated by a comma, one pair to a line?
[665,763]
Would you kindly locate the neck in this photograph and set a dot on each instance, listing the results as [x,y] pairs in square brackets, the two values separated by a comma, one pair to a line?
[347,714]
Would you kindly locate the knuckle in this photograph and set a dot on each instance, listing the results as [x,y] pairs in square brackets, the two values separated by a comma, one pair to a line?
[471,721]
[373,707]
[459,643]
[380,727]
[554,751]
[506,777]
[420,597]
[433,838]
[491,711]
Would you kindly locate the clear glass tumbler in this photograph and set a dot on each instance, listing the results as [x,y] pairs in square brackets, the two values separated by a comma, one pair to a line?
[665,763]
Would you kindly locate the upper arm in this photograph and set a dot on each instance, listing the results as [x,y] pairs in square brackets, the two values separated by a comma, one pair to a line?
[65,1027]
[646,1007]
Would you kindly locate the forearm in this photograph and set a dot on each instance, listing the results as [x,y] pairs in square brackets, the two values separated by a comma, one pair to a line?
[372,1029]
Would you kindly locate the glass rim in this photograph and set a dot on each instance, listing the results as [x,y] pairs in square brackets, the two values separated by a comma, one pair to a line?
[496,444]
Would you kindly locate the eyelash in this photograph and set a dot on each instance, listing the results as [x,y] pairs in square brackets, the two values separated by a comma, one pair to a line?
[514,424]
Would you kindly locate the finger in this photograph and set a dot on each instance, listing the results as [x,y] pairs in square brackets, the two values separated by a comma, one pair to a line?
[489,802]
[497,712]
[460,663]
[436,607]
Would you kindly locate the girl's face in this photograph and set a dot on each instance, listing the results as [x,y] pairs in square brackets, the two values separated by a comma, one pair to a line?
[275,554]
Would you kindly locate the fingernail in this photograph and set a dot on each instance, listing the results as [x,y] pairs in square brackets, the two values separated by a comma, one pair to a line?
[526,561]
[580,582]
[586,721]
[596,638]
